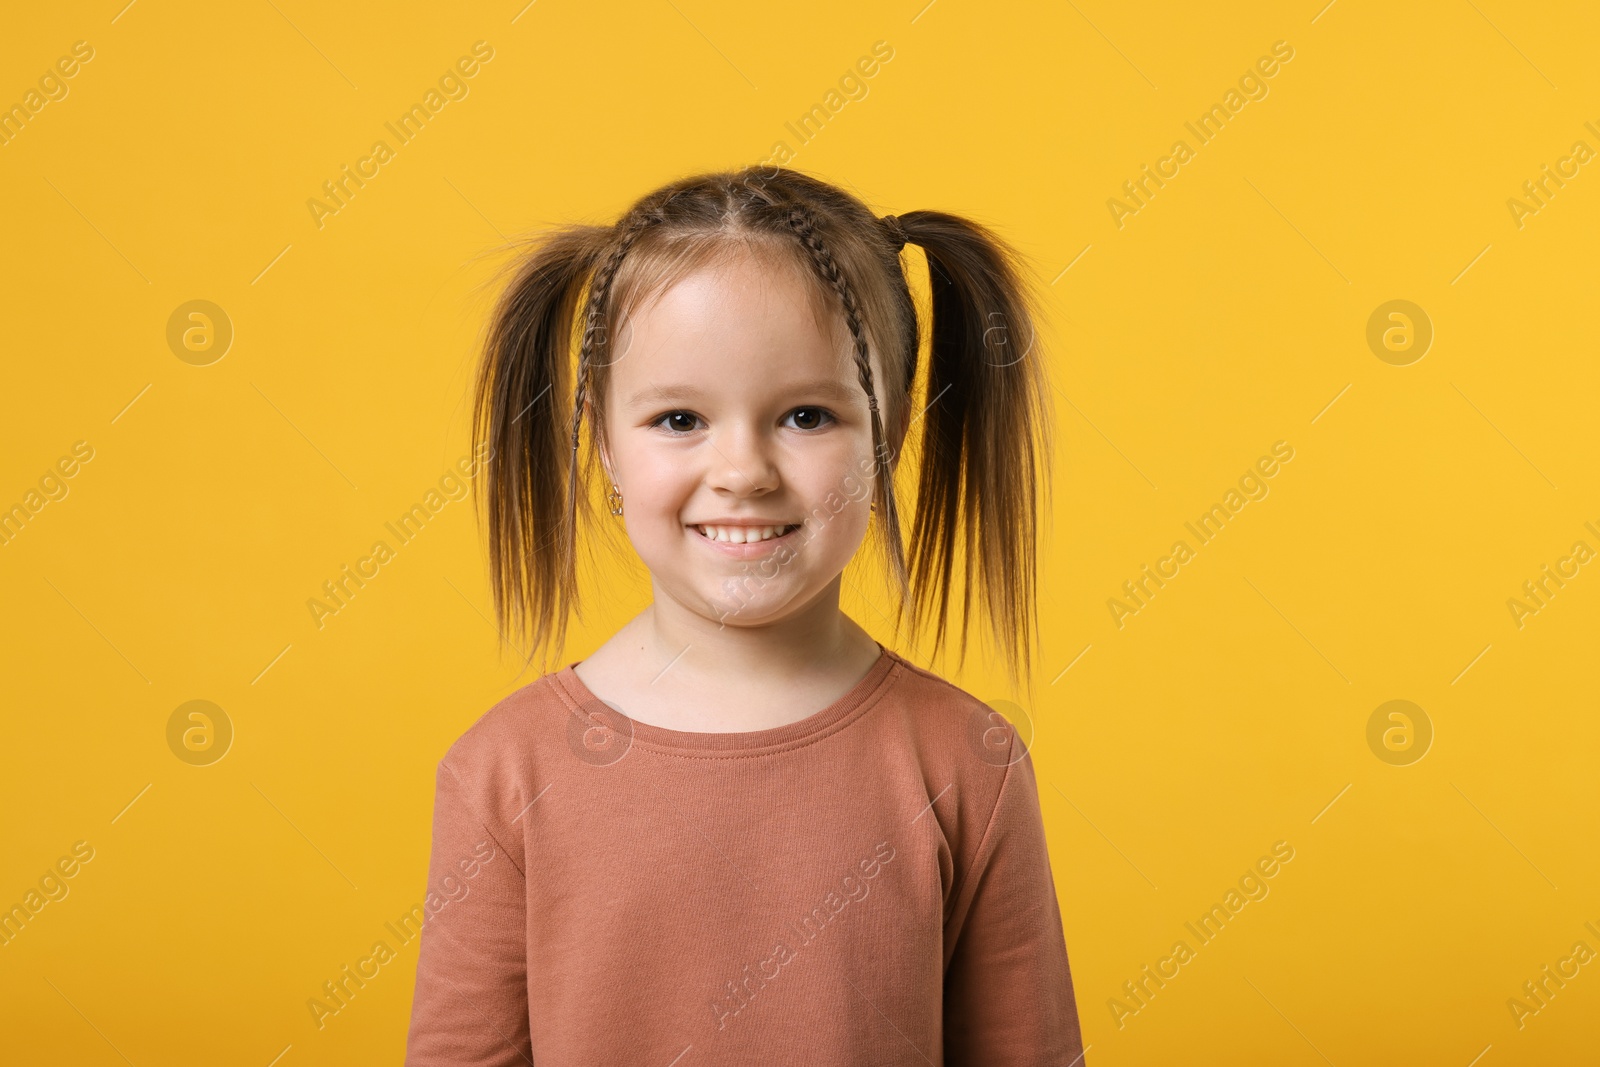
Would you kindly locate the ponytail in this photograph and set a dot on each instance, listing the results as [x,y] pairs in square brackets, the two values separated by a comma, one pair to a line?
[523,381]
[986,434]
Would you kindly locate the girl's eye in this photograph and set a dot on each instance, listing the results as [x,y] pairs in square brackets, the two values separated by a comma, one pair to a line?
[810,418]
[675,420]
[682,423]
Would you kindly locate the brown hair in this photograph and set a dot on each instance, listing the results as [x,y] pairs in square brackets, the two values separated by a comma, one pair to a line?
[984,430]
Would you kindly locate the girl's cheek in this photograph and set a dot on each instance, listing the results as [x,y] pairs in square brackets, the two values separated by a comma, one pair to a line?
[658,466]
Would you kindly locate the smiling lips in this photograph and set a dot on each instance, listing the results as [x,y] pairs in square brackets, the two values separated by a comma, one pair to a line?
[743,534]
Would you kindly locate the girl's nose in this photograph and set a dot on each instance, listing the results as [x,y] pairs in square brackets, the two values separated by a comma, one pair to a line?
[742,463]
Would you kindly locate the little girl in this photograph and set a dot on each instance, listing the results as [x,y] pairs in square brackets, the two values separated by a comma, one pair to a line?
[742,831]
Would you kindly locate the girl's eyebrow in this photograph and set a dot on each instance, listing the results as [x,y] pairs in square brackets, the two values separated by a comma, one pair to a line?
[673,394]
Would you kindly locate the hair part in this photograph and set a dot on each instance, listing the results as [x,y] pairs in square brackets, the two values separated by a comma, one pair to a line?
[984,431]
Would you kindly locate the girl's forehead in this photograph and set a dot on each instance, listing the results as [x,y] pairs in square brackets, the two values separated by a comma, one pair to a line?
[739,278]
[750,307]
[718,361]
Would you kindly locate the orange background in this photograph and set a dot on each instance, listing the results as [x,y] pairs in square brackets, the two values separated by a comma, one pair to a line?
[1228,313]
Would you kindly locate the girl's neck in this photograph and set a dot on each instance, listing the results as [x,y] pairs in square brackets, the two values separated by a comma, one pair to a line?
[672,667]
[666,630]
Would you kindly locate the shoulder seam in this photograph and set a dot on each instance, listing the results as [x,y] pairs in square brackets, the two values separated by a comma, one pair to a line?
[466,801]
[988,826]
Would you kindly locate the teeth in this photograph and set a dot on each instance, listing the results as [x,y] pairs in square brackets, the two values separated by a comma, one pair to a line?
[742,535]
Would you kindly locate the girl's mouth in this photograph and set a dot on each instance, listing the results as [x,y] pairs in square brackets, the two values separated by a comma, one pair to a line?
[744,542]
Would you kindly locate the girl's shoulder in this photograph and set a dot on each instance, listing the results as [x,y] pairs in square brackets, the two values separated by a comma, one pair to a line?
[511,728]
[955,727]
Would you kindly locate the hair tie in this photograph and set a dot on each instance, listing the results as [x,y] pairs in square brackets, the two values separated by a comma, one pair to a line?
[897,232]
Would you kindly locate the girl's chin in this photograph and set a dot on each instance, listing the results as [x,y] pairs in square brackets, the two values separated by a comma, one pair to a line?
[749,600]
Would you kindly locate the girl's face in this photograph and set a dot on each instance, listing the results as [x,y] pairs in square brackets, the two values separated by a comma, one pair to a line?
[733,415]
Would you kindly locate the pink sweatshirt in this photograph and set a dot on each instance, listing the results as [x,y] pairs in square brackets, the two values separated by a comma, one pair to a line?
[867,886]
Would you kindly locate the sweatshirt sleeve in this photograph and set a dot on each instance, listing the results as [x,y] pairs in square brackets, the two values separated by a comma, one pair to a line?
[471,1000]
[1008,996]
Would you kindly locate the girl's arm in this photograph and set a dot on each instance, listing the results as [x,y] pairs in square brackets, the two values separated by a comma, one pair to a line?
[1008,996]
[471,1002]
